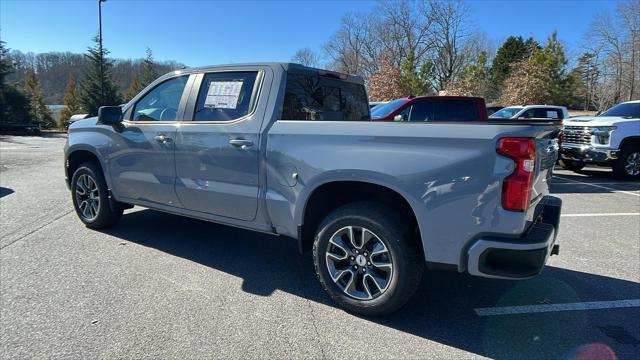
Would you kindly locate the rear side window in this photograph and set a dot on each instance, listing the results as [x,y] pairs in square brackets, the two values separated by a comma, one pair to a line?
[313,97]
[455,110]
[226,96]
[543,113]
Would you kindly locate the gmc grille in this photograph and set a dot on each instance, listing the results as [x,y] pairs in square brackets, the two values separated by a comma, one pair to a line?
[577,135]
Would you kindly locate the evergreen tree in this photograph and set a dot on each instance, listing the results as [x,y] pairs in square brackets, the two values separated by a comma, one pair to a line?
[70,101]
[414,77]
[133,87]
[14,105]
[5,65]
[148,71]
[39,111]
[97,87]
[553,58]
[474,80]
[513,50]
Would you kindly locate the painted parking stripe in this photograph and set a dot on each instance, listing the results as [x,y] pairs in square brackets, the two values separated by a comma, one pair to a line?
[599,186]
[544,308]
[596,183]
[605,214]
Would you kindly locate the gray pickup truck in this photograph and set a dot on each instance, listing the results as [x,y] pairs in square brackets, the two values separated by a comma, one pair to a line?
[290,150]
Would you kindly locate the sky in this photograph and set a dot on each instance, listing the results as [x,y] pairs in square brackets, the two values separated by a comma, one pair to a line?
[203,32]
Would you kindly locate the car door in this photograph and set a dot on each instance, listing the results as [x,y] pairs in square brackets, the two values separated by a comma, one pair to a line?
[218,152]
[142,165]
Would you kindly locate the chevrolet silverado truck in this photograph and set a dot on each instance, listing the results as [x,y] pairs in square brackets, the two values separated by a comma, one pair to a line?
[611,139]
[290,150]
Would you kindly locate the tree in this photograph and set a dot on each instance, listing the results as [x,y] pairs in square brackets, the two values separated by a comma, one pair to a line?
[38,110]
[387,84]
[416,79]
[553,58]
[134,88]
[70,101]
[588,74]
[306,57]
[14,105]
[148,72]
[528,83]
[97,87]
[474,80]
[513,50]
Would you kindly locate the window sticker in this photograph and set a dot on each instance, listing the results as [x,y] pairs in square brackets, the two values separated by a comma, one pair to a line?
[223,94]
[552,114]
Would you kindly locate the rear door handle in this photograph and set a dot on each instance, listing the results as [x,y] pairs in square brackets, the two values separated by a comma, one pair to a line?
[241,143]
[162,138]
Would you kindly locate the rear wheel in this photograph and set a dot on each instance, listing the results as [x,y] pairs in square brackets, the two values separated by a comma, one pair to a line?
[366,259]
[90,197]
[573,165]
[628,164]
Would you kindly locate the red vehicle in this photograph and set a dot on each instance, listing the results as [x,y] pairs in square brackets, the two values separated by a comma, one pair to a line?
[431,108]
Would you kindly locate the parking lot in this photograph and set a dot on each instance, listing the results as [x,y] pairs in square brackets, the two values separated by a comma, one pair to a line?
[163,286]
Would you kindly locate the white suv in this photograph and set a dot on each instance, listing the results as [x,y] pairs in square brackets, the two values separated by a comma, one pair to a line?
[610,139]
[532,112]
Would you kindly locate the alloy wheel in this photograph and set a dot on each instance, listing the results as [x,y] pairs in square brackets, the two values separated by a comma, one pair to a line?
[87,197]
[632,164]
[359,262]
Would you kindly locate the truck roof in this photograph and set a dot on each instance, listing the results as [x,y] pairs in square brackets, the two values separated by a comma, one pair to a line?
[287,66]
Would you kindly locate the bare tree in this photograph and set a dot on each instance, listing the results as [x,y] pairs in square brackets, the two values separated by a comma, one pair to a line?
[386,84]
[528,83]
[306,57]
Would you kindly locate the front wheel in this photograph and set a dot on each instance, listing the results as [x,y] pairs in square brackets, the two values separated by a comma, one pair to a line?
[90,197]
[366,259]
[628,164]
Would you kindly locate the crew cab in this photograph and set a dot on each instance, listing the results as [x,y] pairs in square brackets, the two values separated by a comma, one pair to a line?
[526,112]
[290,150]
[611,139]
[431,109]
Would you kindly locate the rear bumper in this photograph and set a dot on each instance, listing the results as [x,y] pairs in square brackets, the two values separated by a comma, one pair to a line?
[520,258]
[587,153]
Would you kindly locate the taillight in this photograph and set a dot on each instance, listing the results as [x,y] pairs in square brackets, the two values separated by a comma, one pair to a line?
[560,137]
[516,188]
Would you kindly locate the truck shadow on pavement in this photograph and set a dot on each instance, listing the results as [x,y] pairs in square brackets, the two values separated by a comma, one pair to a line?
[443,309]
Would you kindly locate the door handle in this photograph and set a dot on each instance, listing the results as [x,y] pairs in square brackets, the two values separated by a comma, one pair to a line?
[163,139]
[241,143]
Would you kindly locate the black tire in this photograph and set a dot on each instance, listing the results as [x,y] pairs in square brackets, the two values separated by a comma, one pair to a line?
[622,167]
[105,215]
[405,256]
[573,165]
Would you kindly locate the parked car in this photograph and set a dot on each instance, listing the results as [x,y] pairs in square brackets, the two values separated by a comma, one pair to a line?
[610,139]
[432,108]
[254,146]
[532,112]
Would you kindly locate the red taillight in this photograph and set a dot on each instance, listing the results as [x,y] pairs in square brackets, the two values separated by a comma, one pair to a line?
[560,137]
[516,188]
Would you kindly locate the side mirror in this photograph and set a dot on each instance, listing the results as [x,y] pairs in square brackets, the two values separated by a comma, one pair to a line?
[398,118]
[110,115]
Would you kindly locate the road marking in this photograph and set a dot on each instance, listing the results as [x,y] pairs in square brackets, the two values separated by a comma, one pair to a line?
[544,308]
[598,183]
[599,186]
[605,214]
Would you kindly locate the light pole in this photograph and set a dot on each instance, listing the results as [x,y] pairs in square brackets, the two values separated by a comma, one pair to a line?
[101,52]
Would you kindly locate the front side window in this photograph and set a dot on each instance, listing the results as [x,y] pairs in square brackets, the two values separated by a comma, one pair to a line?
[226,96]
[382,110]
[313,97]
[626,110]
[162,102]
[506,113]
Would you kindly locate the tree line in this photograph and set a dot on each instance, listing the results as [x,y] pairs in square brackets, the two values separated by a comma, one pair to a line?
[427,47]
[29,81]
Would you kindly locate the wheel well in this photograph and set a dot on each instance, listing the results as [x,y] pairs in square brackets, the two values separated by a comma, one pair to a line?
[78,157]
[332,195]
[630,141]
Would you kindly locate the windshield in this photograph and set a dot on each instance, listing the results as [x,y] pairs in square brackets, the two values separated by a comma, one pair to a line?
[383,110]
[505,113]
[628,110]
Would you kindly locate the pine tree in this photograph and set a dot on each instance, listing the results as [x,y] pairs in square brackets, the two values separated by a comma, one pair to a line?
[70,101]
[552,57]
[14,105]
[148,71]
[97,87]
[415,77]
[513,50]
[39,111]
[133,87]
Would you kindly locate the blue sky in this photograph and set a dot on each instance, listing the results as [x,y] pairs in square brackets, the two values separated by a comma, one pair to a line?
[212,32]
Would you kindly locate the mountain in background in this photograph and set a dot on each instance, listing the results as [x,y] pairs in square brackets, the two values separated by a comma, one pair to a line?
[54,68]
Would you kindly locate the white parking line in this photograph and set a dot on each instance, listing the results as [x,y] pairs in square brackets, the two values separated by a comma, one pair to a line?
[532,309]
[604,214]
[599,186]
[597,183]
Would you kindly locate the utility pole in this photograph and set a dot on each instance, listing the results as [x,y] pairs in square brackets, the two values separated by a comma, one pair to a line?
[101,52]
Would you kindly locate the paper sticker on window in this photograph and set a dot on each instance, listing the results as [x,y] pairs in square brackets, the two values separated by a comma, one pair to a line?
[552,115]
[223,94]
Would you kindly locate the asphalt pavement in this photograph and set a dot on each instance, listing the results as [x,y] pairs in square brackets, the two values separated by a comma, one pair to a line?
[163,286]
